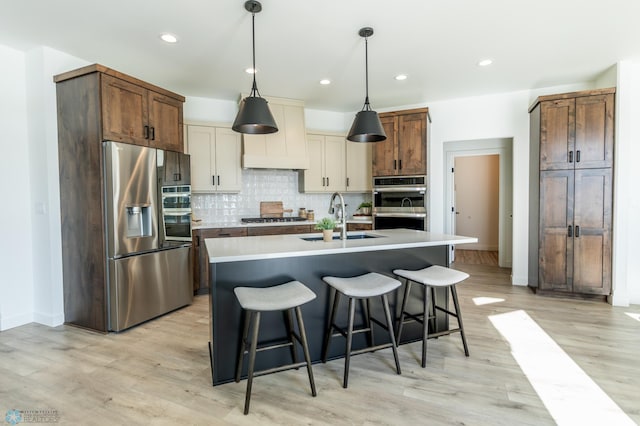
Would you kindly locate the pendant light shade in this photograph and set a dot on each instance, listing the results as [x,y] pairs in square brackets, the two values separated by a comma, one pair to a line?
[367,126]
[254,116]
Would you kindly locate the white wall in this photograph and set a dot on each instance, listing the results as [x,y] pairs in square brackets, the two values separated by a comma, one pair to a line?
[477,183]
[42,64]
[16,276]
[626,233]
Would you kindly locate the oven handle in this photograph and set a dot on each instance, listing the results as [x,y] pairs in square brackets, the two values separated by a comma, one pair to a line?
[400,215]
[176,212]
[420,189]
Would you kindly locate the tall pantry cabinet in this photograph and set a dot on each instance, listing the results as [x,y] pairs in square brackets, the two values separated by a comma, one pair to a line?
[571,197]
[96,103]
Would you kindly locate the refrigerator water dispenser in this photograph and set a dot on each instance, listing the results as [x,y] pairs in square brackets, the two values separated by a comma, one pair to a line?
[138,221]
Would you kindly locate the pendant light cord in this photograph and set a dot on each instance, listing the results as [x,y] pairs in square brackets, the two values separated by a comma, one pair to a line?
[254,88]
[366,106]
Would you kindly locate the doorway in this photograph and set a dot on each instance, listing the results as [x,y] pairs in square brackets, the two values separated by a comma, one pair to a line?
[499,150]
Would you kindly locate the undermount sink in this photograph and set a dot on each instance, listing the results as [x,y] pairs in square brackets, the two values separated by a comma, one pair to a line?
[349,237]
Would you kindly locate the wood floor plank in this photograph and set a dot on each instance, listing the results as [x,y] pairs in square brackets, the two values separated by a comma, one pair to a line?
[158,372]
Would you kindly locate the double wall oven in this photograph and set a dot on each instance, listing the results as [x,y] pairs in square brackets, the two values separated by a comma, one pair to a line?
[400,202]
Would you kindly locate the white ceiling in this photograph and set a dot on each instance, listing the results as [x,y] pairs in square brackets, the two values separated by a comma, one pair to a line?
[437,44]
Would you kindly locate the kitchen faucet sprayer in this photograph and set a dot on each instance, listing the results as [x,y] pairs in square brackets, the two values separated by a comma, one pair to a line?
[343,225]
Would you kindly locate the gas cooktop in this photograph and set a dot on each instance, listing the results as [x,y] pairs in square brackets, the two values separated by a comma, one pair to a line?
[272,219]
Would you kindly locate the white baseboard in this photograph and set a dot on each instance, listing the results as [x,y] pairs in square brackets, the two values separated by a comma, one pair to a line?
[15,321]
[51,320]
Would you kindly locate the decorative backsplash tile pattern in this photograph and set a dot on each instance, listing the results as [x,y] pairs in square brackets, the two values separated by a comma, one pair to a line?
[266,185]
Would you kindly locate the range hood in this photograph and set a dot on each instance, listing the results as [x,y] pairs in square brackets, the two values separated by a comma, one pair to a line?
[285,149]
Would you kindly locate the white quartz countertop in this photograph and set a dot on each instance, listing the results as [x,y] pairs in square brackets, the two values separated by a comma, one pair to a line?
[237,249]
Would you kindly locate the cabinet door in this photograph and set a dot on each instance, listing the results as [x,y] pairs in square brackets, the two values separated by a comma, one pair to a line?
[227,160]
[594,132]
[124,111]
[314,178]
[556,215]
[165,122]
[176,168]
[358,166]
[202,151]
[385,153]
[412,144]
[592,235]
[334,164]
[557,134]
[285,149]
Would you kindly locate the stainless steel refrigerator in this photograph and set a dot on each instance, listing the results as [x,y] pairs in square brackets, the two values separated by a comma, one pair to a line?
[145,280]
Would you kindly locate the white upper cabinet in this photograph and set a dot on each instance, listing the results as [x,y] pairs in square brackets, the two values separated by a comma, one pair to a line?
[285,149]
[326,172]
[215,159]
[358,168]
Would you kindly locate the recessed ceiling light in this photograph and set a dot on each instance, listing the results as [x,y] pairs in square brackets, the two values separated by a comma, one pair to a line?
[401,77]
[485,62]
[325,81]
[250,71]
[169,38]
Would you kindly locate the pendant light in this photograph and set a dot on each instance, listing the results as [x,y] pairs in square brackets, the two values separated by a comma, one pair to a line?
[254,116]
[367,126]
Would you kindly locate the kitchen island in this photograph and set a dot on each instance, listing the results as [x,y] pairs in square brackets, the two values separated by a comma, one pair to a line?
[264,261]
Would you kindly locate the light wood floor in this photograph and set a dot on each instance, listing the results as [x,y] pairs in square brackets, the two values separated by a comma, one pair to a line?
[158,373]
[476,257]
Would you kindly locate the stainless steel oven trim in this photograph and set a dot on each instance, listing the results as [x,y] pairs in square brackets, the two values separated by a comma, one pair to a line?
[420,189]
[417,215]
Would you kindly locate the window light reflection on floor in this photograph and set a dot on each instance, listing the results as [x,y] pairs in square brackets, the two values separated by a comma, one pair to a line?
[570,395]
[486,300]
[634,316]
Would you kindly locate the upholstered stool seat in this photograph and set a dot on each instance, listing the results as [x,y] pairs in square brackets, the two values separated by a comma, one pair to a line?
[360,287]
[432,277]
[284,297]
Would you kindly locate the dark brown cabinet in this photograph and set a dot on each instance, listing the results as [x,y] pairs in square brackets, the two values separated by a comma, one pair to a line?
[571,196]
[359,226]
[96,103]
[132,113]
[405,150]
[576,133]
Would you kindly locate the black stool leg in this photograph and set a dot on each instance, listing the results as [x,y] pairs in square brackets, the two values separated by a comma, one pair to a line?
[367,304]
[454,294]
[347,357]
[290,333]
[305,349]
[327,336]
[407,289]
[425,325]
[243,344]
[432,316]
[252,359]
[387,314]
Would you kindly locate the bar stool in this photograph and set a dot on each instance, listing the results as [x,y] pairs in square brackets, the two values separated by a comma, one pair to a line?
[360,287]
[432,277]
[285,297]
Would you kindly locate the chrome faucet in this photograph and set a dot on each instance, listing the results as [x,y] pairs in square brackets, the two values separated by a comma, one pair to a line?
[343,225]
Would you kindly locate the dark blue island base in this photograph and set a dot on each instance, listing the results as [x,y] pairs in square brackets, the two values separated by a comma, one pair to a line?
[225,315]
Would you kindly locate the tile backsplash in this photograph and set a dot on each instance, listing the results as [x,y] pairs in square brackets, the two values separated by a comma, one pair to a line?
[266,185]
